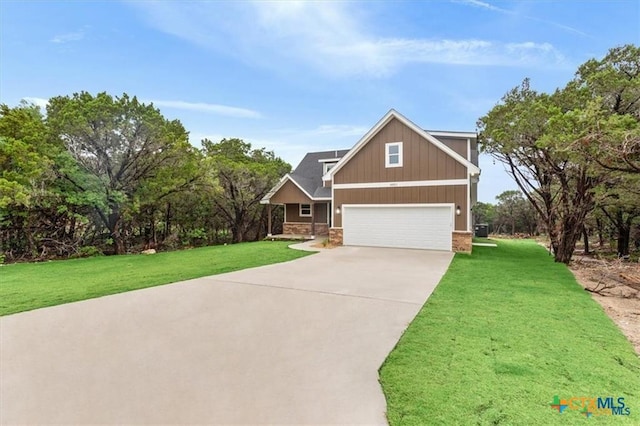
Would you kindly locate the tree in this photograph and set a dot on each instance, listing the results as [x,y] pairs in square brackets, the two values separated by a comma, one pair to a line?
[242,176]
[32,209]
[529,133]
[484,213]
[611,89]
[120,146]
[514,210]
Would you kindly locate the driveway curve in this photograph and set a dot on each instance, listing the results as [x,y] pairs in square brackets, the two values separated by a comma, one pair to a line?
[292,343]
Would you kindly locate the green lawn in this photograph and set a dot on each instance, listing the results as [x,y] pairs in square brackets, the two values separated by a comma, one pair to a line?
[506,330]
[28,286]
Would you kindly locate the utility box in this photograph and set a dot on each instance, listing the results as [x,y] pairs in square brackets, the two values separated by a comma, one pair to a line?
[482,230]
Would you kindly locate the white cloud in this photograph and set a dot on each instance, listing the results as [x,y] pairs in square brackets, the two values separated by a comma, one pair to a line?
[68,37]
[41,102]
[223,110]
[484,5]
[330,37]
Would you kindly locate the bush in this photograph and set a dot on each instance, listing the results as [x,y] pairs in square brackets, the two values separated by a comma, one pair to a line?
[87,251]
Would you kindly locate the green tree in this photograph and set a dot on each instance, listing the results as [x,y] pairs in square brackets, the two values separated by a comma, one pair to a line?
[529,132]
[242,176]
[121,148]
[484,213]
[514,211]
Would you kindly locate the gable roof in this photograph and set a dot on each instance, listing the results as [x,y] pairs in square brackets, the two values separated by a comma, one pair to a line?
[307,176]
[471,168]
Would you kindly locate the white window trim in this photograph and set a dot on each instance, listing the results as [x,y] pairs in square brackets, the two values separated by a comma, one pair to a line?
[300,210]
[326,168]
[386,154]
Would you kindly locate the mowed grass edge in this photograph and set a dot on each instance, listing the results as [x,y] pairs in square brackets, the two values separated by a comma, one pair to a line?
[29,286]
[506,330]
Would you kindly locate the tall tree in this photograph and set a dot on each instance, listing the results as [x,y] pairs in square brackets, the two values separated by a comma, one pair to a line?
[515,211]
[242,177]
[119,145]
[529,133]
[611,89]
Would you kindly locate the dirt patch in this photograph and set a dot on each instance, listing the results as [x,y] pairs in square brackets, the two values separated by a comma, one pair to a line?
[324,245]
[615,285]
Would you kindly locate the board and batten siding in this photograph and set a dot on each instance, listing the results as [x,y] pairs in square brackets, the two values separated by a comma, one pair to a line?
[422,160]
[456,144]
[289,193]
[452,194]
[293,213]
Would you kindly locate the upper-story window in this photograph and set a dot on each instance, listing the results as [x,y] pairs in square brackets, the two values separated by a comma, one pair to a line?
[393,154]
[327,166]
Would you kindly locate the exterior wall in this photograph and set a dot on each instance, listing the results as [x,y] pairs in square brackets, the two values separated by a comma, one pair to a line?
[296,228]
[474,151]
[335,236]
[293,214]
[455,194]
[461,241]
[304,228]
[422,160]
[322,229]
[289,193]
[456,144]
[320,213]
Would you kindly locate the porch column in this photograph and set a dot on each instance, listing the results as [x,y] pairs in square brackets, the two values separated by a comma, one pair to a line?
[269,220]
[313,219]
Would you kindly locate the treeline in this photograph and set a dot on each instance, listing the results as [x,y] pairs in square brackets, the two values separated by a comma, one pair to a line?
[102,174]
[513,214]
[575,153]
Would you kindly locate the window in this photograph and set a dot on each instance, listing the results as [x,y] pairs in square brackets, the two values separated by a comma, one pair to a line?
[393,154]
[327,166]
[305,210]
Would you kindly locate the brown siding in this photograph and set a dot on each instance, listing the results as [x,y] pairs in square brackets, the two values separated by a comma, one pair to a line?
[422,160]
[289,193]
[320,211]
[456,194]
[458,145]
[293,213]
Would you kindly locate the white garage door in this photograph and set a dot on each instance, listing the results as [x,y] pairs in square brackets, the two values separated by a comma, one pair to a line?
[416,226]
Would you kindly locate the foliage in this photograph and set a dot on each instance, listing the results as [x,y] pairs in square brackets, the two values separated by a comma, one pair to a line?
[28,286]
[114,174]
[125,150]
[561,148]
[242,176]
[515,213]
[484,213]
[506,330]
[528,132]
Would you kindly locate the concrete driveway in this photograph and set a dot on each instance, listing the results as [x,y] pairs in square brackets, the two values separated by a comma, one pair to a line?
[293,343]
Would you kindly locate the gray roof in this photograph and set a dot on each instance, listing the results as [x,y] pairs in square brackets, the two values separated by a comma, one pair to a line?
[308,174]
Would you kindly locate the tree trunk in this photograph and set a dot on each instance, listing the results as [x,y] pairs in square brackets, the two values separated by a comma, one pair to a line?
[167,223]
[565,242]
[600,232]
[116,234]
[624,235]
[585,239]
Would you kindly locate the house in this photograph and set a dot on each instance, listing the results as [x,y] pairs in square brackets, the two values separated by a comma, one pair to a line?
[399,186]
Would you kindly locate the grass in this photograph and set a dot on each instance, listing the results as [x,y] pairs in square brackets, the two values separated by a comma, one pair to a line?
[28,286]
[505,331]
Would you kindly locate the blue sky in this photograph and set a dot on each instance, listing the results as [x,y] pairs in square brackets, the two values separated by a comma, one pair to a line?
[303,76]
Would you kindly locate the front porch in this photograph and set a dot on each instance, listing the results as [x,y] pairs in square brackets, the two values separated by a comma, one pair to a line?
[303,219]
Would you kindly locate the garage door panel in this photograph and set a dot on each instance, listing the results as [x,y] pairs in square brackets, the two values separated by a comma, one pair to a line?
[420,227]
